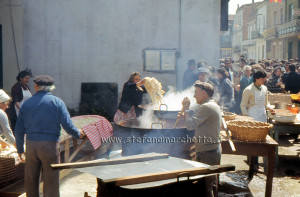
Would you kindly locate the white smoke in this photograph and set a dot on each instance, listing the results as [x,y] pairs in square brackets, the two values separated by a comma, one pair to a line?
[147,118]
[173,99]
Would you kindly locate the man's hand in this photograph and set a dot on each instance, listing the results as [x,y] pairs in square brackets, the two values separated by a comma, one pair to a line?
[180,115]
[185,104]
[22,157]
[82,134]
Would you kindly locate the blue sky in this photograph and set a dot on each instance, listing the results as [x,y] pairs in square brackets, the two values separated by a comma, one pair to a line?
[233,4]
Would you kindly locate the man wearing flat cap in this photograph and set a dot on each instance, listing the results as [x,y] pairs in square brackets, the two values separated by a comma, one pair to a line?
[40,118]
[189,76]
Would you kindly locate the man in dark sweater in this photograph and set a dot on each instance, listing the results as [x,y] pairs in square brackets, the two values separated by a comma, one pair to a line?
[189,76]
[292,82]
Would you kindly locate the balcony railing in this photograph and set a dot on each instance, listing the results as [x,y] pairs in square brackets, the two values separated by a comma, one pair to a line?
[288,27]
[248,42]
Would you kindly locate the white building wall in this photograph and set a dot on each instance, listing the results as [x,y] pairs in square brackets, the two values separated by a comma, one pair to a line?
[102,41]
[12,41]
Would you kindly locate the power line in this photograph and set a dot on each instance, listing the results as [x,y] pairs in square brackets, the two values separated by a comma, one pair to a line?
[14,37]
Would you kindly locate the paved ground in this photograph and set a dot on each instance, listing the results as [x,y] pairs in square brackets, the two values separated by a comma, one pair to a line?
[286,182]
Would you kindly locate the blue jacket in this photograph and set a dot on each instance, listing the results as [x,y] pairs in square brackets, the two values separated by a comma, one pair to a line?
[40,118]
[226,94]
[244,82]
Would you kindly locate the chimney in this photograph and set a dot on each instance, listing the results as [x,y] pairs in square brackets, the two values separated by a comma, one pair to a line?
[252,1]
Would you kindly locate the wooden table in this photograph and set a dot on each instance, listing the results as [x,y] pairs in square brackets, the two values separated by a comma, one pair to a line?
[283,128]
[65,142]
[252,149]
[133,174]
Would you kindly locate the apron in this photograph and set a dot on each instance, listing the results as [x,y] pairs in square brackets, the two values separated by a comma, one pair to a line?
[26,95]
[258,110]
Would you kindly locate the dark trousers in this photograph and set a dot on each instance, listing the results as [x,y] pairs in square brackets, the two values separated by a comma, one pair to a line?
[39,156]
[211,158]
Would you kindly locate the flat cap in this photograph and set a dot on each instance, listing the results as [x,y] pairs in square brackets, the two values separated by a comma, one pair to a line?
[43,80]
[203,70]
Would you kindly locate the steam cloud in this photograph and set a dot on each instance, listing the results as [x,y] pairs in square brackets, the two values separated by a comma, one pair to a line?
[173,99]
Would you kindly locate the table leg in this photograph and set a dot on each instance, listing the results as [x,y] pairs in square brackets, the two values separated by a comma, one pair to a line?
[67,150]
[251,167]
[276,138]
[271,160]
[74,144]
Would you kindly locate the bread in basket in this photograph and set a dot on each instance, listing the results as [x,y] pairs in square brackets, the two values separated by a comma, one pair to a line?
[252,131]
[229,116]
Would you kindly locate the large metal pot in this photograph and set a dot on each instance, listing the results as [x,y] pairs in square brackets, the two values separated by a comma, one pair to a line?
[160,137]
[280,105]
[163,112]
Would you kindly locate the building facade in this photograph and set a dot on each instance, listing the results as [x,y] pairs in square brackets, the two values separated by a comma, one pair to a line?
[273,32]
[226,39]
[86,41]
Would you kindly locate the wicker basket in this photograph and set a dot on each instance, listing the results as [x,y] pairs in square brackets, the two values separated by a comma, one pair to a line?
[229,116]
[252,131]
[9,171]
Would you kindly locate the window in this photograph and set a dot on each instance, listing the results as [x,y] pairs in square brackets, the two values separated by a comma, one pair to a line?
[281,15]
[291,11]
[274,18]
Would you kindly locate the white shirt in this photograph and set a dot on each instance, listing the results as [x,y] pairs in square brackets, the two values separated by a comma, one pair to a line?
[5,128]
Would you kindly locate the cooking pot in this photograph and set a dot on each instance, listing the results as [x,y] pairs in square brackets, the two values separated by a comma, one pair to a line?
[163,111]
[160,137]
[280,105]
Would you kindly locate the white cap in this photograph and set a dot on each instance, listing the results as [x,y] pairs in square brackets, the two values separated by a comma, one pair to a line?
[3,96]
[203,70]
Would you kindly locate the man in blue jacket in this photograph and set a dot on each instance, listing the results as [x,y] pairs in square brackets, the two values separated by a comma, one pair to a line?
[40,118]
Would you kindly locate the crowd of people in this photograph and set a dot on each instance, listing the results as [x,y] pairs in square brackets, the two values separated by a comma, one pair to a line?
[231,78]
